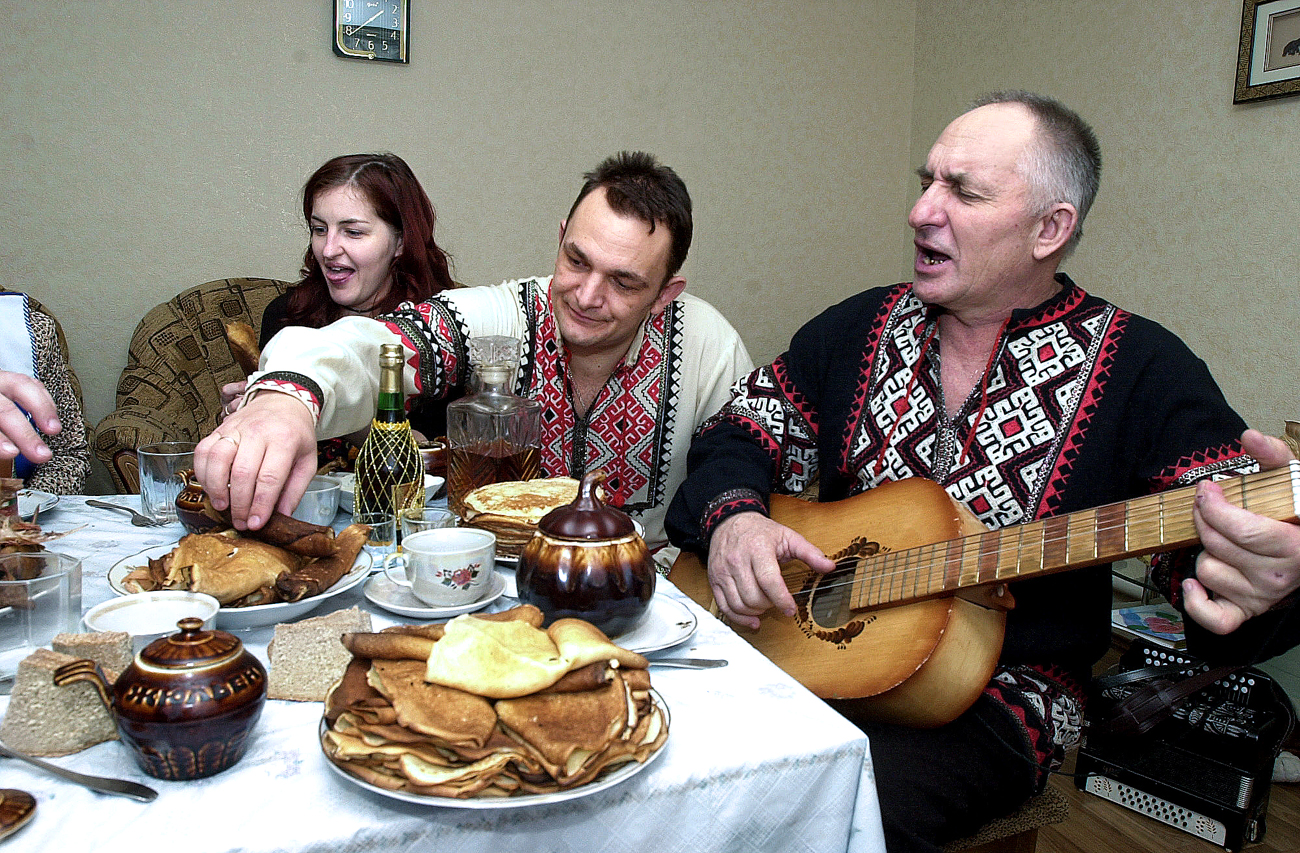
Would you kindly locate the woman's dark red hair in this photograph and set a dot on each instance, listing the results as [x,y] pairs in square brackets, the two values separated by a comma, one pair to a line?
[420,271]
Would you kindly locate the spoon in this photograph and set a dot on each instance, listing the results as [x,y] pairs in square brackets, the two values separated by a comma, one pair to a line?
[138,519]
[117,787]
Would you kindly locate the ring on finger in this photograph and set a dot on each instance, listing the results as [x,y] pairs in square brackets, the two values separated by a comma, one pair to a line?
[230,438]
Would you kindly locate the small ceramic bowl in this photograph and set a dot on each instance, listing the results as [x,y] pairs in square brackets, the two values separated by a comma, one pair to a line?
[146,616]
[320,502]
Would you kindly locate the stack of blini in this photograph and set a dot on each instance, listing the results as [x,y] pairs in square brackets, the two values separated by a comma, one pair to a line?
[490,706]
[512,509]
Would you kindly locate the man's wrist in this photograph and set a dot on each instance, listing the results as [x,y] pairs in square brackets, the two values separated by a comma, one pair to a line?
[724,506]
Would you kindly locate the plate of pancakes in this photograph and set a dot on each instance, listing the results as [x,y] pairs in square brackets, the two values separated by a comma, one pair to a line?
[512,509]
[492,712]
[232,565]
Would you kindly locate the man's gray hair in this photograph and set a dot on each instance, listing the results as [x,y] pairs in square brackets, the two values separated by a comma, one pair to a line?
[1064,164]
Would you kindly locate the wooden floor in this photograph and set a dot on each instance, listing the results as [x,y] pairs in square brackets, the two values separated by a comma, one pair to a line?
[1100,826]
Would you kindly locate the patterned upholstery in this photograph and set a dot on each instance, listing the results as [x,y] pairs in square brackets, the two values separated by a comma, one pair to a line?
[177,362]
[1018,830]
[63,350]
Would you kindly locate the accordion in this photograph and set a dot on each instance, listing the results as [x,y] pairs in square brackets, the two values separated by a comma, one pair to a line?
[1208,767]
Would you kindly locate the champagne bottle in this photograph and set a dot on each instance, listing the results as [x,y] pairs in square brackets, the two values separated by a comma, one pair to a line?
[390,473]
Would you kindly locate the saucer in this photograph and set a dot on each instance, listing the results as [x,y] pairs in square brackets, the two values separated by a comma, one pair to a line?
[400,600]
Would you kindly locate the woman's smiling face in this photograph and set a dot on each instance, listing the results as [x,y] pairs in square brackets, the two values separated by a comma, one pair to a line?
[354,247]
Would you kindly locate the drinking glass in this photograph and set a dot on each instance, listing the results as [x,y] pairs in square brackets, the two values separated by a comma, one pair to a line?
[160,479]
[383,533]
[426,518]
[40,596]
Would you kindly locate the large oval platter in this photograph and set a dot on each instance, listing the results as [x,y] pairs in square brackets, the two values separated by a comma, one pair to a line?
[619,774]
[259,615]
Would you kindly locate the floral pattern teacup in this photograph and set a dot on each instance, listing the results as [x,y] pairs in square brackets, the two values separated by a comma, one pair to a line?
[445,567]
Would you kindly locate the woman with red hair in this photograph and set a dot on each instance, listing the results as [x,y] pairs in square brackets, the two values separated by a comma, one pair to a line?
[371,251]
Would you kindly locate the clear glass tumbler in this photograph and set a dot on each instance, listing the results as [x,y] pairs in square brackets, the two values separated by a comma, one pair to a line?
[160,467]
[40,596]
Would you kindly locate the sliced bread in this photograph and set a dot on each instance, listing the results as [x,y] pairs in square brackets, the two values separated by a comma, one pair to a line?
[47,720]
[307,657]
[112,650]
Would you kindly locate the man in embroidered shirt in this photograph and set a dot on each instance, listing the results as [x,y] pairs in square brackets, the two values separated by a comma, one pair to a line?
[625,363]
[1024,397]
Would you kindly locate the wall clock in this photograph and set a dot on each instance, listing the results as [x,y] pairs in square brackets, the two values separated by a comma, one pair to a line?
[373,29]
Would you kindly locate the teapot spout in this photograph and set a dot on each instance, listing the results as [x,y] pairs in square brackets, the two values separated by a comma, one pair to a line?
[85,670]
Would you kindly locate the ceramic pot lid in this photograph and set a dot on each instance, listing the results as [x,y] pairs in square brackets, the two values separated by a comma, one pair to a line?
[587,518]
[192,647]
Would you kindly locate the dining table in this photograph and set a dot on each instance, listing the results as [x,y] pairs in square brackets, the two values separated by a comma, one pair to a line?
[753,760]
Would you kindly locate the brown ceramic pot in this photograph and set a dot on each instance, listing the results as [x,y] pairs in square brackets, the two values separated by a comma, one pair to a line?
[434,456]
[188,702]
[193,509]
[587,561]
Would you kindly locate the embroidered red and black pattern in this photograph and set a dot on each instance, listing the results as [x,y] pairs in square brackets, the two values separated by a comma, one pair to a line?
[779,419]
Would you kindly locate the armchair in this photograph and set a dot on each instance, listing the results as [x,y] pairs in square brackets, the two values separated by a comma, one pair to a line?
[177,362]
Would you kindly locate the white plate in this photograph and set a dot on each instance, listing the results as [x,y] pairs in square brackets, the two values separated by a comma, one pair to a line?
[32,500]
[399,599]
[348,485]
[259,615]
[666,623]
[622,772]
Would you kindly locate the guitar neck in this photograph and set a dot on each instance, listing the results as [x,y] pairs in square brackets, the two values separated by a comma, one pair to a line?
[1143,525]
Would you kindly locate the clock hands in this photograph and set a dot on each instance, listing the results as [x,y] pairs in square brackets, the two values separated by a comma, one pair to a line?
[372,17]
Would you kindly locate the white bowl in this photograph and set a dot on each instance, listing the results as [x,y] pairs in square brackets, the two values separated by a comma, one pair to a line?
[320,502]
[146,616]
[348,484]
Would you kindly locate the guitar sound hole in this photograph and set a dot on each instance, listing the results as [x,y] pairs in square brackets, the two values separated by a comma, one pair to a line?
[829,606]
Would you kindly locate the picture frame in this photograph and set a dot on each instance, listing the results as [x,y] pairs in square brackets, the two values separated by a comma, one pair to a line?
[1268,59]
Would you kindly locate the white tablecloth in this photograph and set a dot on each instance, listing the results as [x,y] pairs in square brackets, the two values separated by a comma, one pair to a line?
[753,762]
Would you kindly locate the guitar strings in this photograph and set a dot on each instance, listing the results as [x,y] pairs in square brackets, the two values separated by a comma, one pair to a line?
[914,559]
[917,576]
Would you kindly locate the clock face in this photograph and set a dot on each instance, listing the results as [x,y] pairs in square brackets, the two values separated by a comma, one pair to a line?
[372,29]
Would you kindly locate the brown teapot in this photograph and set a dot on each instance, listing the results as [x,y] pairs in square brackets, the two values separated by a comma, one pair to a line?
[186,704]
[586,560]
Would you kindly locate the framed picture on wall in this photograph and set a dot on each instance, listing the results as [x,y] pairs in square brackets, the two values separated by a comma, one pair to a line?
[1268,61]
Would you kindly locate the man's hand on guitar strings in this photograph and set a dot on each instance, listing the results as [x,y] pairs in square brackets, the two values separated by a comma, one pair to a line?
[1249,562]
[745,556]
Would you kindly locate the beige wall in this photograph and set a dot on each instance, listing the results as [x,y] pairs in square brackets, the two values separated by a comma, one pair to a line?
[1197,221]
[144,155]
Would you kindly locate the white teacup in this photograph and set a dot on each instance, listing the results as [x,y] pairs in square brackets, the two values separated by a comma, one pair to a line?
[446,566]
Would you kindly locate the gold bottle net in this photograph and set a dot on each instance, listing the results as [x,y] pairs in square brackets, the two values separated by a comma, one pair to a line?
[383,486]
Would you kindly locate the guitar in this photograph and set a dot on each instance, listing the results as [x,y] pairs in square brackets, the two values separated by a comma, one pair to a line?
[910,622]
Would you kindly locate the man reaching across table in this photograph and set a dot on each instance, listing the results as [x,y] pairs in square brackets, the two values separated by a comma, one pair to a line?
[1024,397]
[625,363]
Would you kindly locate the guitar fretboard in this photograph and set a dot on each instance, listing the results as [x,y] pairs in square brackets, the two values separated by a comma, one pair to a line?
[1140,526]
